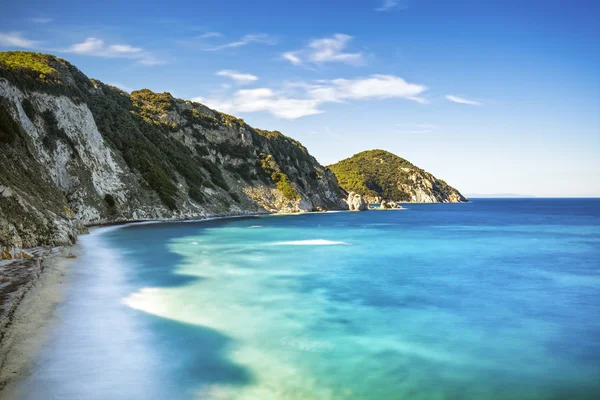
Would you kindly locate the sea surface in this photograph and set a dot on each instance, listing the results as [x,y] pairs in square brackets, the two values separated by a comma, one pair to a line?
[495,299]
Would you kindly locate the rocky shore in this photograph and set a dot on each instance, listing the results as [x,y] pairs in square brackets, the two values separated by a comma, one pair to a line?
[30,289]
[356,202]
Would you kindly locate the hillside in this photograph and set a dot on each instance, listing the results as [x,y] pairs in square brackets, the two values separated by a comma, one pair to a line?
[75,151]
[378,174]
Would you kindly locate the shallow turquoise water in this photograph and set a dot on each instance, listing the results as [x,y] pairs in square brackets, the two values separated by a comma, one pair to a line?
[497,299]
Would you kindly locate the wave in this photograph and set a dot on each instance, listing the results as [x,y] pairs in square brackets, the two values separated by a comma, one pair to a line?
[310,242]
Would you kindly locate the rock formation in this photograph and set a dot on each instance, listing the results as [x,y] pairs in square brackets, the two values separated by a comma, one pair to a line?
[388,205]
[75,151]
[356,202]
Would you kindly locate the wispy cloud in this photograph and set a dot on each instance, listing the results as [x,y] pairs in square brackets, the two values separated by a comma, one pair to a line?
[96,47]
[302,99]
[324,50]
[260,38]
[40,20]
[372,87]
[238,77]
[415,129]
[292,57]
[15,39]
[388,5]
[209,35]
[121,86]
[264,99]
[462,100]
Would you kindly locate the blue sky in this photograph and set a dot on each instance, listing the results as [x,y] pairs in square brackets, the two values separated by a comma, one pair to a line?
[492,96]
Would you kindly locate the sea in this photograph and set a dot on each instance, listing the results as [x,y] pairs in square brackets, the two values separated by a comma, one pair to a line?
[492,299]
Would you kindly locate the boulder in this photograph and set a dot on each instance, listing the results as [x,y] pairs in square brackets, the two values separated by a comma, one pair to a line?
[388,205]
[22,254]
[356,202]
[370,199]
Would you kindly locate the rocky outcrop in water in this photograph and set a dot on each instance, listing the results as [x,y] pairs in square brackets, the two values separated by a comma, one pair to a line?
[74,151]
[388,205]
[356,202]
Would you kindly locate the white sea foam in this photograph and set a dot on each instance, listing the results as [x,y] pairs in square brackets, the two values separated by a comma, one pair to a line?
[311,242]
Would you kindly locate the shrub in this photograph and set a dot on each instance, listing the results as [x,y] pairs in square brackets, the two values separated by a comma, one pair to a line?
[110,200]
[54,133]
[196,194]
[9,128]
[270,167]
[28,108]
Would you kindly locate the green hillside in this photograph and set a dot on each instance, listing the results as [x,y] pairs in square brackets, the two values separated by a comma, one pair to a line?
[381,174]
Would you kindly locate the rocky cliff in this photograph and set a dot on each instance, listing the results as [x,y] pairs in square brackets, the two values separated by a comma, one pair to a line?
[378,175]
[75,151]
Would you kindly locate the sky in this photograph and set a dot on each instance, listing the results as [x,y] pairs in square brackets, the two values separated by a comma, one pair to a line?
[496,96]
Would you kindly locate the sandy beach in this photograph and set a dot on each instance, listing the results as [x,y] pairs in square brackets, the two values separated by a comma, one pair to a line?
[31,290]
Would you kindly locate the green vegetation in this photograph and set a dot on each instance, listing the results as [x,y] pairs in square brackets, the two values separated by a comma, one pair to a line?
[145,146]
[43,72]
[9,128]
[36,65]
[139,127]
[110,200]
[215,174]
[153,107]
[230,120]
[282,182]
[54,133]
[235,197]
[28,108]
[383,174]
[20,170]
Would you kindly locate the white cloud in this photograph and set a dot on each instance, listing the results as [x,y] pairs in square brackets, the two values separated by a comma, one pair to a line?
[260,38]
[96,47]
[264,99]
[462,100]
[415,129]
[292,57]
[209,35]
[239,77]
[302,99]
[330,49]
[40,20]
[15,39]
[387,5]
[377,87]
[121,86]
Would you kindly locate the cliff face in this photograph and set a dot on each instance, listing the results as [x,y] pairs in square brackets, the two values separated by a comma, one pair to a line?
[379,175]
[74,151]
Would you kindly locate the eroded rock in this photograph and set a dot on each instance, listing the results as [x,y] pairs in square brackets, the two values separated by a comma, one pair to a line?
[356,202]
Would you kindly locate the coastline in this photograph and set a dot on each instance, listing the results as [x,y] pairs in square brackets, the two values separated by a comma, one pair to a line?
[41,287]
[32,289]
[28,307]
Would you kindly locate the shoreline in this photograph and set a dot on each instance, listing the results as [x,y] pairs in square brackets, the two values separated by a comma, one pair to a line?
[40,289]
[28,308]
[32,289]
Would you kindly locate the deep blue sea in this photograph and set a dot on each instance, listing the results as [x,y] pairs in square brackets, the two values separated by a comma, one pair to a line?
[495,299]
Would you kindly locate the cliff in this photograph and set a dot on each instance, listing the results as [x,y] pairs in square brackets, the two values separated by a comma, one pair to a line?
[75,151]
[379,175]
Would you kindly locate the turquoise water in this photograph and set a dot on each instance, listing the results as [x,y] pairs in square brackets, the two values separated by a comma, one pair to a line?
[496,299]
